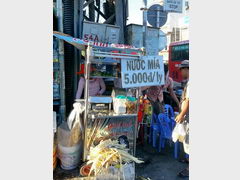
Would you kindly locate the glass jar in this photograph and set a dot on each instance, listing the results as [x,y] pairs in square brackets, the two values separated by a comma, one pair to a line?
[131,105]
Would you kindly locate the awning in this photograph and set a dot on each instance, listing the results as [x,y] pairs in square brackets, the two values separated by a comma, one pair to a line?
[81,44]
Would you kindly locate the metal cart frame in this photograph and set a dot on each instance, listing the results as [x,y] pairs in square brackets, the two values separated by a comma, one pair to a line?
[93,49]
[90,54]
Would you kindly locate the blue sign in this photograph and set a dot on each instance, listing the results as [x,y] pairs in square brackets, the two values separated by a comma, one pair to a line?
[156,16]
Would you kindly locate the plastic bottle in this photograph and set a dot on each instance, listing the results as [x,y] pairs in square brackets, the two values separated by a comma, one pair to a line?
[129,93]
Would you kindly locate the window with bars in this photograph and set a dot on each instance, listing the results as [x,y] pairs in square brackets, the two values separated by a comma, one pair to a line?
[175,36]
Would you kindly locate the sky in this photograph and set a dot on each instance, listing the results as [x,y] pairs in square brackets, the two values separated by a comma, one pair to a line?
[135,14]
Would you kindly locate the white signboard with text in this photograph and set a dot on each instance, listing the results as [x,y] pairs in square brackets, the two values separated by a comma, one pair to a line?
[173,6]
[147,71]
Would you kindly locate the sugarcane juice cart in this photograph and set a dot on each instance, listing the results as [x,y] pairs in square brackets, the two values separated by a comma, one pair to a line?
[105,124]
[100,122]
[121,127]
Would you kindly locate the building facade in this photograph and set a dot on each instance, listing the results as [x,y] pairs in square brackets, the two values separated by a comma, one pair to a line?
[176,28]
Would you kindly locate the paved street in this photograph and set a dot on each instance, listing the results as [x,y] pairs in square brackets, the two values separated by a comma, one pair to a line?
[158,166]
[162,166]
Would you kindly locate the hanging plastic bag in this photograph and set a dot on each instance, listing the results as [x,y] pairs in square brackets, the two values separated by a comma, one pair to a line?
[74,116]
[186,142]
[69,146]
[70,132]
[179,132]
[69,138]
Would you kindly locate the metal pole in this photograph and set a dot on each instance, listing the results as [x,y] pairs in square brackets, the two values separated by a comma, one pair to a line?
[158,16]
[61,61]
[76,51]
[158,24]
[91,11]
[119,8]
[145,25]
[86,96]
[136,121]
[80,28]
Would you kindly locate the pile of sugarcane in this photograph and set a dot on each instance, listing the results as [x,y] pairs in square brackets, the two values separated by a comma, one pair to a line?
[97,132]
[109,153]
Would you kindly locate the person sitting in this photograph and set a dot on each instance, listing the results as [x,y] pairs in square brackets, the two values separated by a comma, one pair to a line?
[96,87]
[155,94]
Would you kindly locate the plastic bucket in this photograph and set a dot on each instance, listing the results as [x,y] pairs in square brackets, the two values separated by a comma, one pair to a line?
[69,156]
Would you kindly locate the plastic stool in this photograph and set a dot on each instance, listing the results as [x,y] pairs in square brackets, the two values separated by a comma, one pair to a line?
[154,130]
[154,119]
[162,139]
[169,112]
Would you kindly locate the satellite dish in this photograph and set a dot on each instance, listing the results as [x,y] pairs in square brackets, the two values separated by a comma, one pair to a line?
[156,16]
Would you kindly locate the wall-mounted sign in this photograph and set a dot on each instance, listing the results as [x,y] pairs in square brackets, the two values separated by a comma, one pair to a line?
[175,6]
[147,71]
